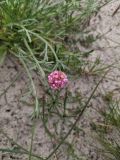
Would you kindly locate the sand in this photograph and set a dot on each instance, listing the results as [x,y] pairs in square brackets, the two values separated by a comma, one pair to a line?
[15,117]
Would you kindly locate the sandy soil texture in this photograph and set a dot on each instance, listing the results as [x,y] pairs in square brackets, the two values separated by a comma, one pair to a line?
[15,117]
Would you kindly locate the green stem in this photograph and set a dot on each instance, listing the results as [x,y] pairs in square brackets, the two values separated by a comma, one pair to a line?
[65,101]
[24,151]
[36,110]
[14,80]
[78,118]
[44,122]
[31,145]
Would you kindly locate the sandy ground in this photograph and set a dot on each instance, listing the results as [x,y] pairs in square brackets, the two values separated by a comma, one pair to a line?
[15,118]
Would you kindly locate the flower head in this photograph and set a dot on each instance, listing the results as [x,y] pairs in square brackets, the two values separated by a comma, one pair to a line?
[57,80]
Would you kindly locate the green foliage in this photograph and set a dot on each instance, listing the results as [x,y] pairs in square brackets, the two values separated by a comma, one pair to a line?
[2,54]
[41,34]
[37,31]
[110,140]
[58,107]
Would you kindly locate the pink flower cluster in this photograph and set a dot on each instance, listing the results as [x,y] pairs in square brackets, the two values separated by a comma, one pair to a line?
[57,80]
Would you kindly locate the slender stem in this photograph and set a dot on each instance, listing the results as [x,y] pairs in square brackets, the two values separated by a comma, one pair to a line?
[23,150]
[16,77]
[54,100]
[31,145]
[65,101]
[11,140]
[78,118]
[36,110]
[43,119]
[34,58]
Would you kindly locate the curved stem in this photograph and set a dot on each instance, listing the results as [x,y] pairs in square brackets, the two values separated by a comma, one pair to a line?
[78,118]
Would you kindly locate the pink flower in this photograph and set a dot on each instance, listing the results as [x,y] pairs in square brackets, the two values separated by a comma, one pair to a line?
[57,80]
